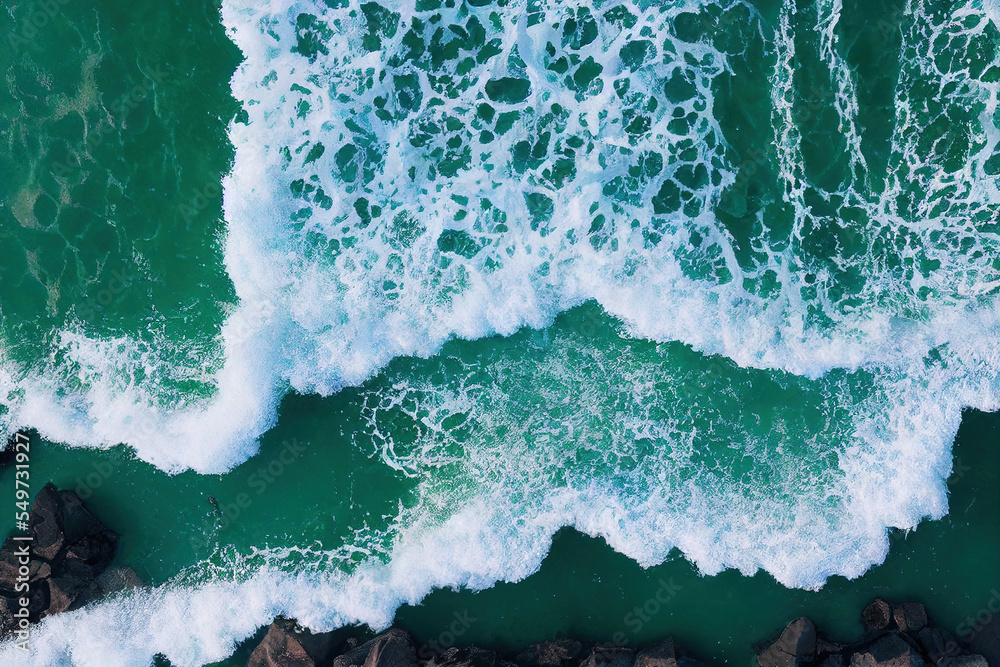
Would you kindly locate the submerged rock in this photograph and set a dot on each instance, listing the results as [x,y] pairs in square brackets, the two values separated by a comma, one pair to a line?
[795,646]
[890,650]
[69,550]
[664,654]
[558,653]
[117,579]
[392,648]
[937,644]
[468,656]
[964,661]
[613,656]
[984,639]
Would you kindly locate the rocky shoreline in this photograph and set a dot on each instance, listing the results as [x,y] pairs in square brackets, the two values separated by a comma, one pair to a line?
[289,645]
[896,635]
[66,564]
[63,566]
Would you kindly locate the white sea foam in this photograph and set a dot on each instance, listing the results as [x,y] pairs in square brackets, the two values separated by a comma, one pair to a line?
[316,322]
[328,299]
[493,537]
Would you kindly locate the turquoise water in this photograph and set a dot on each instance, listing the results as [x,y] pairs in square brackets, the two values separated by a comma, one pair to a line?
[417,291]
[583,588]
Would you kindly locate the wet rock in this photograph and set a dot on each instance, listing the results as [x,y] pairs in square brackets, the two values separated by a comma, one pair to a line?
[984,639]
[471,656]
[8,606]
[830,654]
[795,646]
[910,616]
[877,616]
[602,656]
[891,650]
[798,645]
[662,655]
[287,645]
[392,648]
[559,653]
[118,579]
[937,644]
[824,647]
[964,661]
[64,592]
[69,550]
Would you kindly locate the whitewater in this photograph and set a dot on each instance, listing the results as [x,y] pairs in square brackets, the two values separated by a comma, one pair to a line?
[411,173]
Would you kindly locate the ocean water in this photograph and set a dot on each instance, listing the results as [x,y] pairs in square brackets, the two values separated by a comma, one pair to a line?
[412,288]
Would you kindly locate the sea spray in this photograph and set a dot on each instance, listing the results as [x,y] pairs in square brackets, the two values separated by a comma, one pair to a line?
[806,298]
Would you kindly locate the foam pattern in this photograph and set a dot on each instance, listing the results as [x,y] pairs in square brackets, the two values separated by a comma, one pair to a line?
[421,171]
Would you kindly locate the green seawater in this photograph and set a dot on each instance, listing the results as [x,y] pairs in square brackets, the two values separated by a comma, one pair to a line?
[631,298]
[583,589]
[114,145]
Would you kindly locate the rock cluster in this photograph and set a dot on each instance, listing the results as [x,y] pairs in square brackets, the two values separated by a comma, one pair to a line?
[65,563]
[287,645]
[896,635]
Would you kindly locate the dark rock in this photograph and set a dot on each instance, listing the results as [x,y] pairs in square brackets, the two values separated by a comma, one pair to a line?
[286,645]
[795,646]
[319,645]
[559,653]
[38,596]
[9,566]
[964,661]
[664,654]
[937,644]
[830,654]
[280,649]
[661,655]
[392,648]
[7,608]
[613,656]
[906,640]
[877,616]
[471,656]
[46,524]
[69,549]
[984,639]
[910,616]
[64,592]
[118,579]
[90,556]
[40,570]
[824,647]
[832,660]
[890,650]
